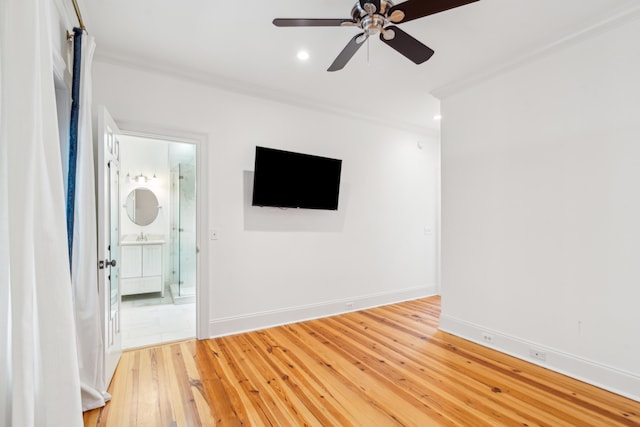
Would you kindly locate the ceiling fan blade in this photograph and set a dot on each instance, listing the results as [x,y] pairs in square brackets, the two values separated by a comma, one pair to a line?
[286,22]
[347,53]
[406,45]
[414,9]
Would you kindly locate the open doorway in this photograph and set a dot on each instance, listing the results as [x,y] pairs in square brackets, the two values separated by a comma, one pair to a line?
[158,229]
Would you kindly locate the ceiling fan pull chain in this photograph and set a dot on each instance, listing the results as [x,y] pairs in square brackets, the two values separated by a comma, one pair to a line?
[368,50]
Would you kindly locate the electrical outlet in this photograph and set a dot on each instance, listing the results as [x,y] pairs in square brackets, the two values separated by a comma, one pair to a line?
[488,338]
[537,354]
[349,305]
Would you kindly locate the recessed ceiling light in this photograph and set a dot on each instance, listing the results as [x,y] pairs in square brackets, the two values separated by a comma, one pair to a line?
[303,55]
[437,117]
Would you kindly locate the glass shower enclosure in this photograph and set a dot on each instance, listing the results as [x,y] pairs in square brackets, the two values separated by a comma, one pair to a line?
[182,242]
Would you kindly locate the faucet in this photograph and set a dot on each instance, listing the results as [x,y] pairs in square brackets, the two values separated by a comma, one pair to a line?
[141,237]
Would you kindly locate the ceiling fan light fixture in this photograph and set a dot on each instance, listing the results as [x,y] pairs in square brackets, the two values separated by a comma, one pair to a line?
[396,16]
[370,8]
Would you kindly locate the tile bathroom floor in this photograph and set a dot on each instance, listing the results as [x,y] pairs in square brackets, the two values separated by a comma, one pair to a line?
[149,319]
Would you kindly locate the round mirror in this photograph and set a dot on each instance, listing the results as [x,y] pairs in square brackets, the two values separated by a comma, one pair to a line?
[142,206]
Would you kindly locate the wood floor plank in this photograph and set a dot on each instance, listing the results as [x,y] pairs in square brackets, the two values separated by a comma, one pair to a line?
[324,390]
[445,365]
[148,395]
[226,406]
[499,377]
[386,366]
[381,382]
[170,382]
[414,376]
[201,399]
[128,377]
[419,369]
[308,388]
[258,412]
[350,396]
[185,382]
[160,371]
[267,386]
[283,386]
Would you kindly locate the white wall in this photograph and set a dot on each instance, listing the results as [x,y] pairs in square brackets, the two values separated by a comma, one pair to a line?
[147,157]
[541,209]
[373,250]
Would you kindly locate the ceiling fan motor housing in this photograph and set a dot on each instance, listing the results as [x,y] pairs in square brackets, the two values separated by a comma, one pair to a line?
[367,16]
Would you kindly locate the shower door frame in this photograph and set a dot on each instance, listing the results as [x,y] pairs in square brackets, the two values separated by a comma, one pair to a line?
[184,232]
[202,215]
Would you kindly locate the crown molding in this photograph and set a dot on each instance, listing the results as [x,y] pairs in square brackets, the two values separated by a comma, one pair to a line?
[613,21]
[257,91]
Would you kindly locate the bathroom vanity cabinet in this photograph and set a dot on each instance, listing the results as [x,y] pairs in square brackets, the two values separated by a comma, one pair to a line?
[141,268]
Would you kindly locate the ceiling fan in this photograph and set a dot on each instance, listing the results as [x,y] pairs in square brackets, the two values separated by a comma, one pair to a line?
[375,17]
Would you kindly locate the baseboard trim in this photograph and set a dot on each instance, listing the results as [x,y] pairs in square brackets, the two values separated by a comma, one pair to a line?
[254,321]
[606,377]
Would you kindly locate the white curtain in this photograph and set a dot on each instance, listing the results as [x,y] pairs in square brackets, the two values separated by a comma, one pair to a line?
[5,312]
[85,254]
[39,378]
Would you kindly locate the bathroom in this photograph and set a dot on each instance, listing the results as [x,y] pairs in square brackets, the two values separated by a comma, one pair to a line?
[157,240]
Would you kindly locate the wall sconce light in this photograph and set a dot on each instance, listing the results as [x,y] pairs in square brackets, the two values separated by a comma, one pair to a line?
[141,179]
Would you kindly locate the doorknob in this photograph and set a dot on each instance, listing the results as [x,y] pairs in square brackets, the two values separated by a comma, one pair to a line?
[106,263]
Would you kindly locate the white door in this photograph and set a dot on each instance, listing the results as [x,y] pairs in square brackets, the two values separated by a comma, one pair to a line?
[109,237]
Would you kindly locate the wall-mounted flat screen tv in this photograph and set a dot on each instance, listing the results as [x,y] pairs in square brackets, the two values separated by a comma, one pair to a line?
[294,180]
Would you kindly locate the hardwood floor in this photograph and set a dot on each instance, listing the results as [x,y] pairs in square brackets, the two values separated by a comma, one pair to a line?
[387,366]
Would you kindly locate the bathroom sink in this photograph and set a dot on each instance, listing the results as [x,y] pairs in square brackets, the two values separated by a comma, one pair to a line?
[141,242]
[133,239]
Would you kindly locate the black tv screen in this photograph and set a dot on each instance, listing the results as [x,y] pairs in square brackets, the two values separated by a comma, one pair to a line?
[294,180]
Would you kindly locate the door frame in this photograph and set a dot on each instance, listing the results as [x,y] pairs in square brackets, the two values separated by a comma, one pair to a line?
[200,141]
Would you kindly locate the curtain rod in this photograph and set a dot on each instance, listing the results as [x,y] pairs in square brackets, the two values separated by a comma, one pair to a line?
[78,14]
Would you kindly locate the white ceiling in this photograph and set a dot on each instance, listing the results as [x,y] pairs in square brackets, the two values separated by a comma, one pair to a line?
[234,43]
